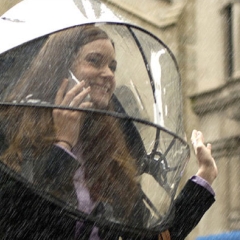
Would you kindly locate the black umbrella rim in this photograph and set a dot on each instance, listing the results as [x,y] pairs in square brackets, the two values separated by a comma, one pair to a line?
[104,112]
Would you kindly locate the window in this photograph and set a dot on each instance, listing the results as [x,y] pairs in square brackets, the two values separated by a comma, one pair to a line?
[232,13]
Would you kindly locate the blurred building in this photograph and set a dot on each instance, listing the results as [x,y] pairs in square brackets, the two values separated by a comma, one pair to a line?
[204,35]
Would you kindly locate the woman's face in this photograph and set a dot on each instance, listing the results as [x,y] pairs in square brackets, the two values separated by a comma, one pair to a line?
[96,65]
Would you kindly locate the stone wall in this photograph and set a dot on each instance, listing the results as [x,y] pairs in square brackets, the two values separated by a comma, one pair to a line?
[7,4]
[214,100]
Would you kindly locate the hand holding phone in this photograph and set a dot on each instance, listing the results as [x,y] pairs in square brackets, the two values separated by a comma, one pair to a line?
[72,82]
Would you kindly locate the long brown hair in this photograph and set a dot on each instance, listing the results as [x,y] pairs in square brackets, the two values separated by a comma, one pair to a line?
[110,171]
[25,128]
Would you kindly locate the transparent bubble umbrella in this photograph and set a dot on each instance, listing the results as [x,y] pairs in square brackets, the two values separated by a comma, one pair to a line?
[123,172]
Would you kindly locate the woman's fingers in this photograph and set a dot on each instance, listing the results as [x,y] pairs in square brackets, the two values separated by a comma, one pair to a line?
[86,105]
[207,166]
[79,99]
[202,151]
[74,97]
[209,146]
[197,136]
[196,139]
[61,91]
[68,122]
[71,94]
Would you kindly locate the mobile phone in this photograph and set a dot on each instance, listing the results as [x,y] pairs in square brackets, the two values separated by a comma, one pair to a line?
[72,82]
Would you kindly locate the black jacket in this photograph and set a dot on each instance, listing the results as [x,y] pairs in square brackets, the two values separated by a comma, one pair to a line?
[28,213]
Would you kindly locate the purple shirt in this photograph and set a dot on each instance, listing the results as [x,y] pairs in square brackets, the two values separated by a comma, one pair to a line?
[203,183]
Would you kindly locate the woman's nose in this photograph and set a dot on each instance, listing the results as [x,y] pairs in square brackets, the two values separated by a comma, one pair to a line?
[107,72]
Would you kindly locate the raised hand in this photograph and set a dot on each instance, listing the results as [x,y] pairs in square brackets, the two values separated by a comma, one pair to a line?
[207,166]
[68,122]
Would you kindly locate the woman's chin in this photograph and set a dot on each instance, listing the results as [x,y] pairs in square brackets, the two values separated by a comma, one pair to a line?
[100,104]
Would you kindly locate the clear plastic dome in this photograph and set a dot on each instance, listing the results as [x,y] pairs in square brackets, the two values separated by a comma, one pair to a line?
[136,139]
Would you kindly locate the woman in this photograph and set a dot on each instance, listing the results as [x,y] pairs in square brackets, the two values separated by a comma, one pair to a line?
[69,147]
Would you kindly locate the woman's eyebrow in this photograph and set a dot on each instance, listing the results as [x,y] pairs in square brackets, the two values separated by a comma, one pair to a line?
[101,55]
[94,53]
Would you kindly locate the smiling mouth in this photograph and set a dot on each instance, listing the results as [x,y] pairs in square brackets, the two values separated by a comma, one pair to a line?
[103,89]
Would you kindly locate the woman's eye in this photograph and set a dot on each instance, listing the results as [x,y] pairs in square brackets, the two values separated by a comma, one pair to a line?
[113,68]
[95,61]
[99,61]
